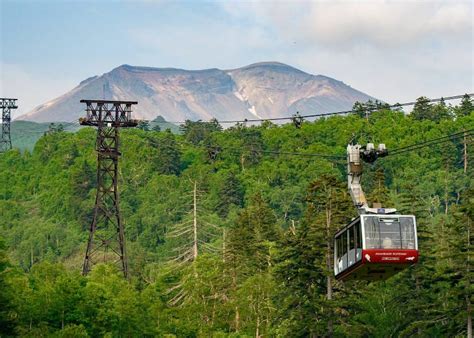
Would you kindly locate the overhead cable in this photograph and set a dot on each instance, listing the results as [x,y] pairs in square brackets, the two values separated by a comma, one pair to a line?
[427,143]
[344,112]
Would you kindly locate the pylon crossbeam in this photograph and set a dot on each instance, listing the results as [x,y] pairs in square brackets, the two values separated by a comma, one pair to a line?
[106,231]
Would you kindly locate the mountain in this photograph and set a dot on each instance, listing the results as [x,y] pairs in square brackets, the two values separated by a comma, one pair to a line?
[261,90]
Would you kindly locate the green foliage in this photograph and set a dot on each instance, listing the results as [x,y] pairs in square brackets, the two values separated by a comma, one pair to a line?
[144,125]
[231,193]
[197,132]
[7,308]
[156,128]
[267,270]
[167,156]
[309,303]
[424,110]
[466,107]
[366,109]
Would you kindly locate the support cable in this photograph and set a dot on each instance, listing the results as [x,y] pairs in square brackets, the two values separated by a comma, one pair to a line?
[344,112]
[432,142]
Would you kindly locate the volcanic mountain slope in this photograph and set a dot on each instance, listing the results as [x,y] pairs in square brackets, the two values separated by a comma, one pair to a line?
[261,90]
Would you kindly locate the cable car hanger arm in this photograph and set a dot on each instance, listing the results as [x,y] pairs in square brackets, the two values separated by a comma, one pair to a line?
[356,155]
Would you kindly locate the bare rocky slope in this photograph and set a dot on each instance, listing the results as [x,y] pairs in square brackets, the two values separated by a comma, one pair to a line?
[261,90]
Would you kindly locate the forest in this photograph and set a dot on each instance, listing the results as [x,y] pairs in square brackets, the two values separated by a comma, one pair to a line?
[261,264]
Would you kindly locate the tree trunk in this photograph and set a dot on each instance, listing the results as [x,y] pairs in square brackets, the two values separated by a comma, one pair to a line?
[213,313]
[237,314]
[469,319]
[257,329]
[195,240]
[223,245]
[257,310]
[293,228]
[465,152]
[417,287]
[329,296]
[329,265]
[468,282]
[237,319]
[446,190]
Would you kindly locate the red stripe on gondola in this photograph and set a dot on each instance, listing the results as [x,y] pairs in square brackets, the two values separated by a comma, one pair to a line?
[389,256]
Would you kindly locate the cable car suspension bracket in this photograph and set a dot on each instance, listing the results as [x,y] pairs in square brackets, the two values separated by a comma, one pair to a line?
[356,155]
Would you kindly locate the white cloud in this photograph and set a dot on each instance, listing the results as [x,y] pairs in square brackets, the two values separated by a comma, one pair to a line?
[393,50]
[345,24]
[386,24]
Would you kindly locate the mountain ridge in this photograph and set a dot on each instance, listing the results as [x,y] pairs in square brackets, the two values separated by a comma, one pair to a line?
[259,90]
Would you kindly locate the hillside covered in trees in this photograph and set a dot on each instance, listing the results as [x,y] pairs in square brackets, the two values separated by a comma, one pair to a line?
[260,265]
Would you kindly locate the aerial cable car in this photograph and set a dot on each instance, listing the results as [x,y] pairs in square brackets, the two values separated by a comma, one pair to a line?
[297,120]
[379,242]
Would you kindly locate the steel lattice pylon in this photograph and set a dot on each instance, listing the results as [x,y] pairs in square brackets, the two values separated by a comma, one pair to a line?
[106,233]
[7,105]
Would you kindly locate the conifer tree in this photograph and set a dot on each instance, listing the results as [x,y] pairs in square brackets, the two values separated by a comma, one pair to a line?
[301,274]
[252,147]
[230,193]
[422,109]
[310,251]
[333,209]
[380,192]
[418,279]
[441,111]
[359,109]
[7,322]
[196,132]
[466,107]
[144,125]
[190,295]
[249,252]
[458,267]
[168,156]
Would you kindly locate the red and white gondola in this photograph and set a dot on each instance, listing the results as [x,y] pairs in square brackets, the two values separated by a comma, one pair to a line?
[375,247]
[378,243]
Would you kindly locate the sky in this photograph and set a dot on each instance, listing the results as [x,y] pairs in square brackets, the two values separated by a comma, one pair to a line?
[395,51]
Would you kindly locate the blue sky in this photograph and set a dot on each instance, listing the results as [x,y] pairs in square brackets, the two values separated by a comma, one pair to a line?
[393,50]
